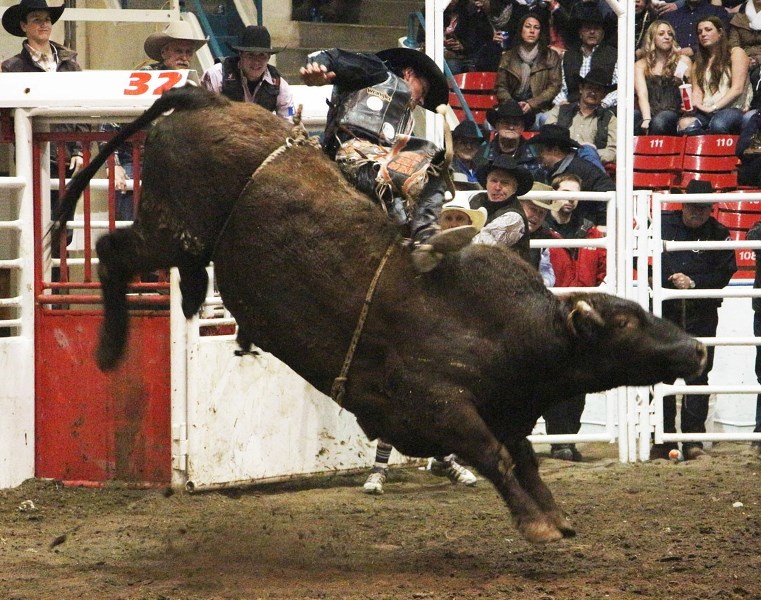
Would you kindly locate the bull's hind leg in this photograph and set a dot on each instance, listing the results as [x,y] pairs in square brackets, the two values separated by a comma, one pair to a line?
[527,472]
[194,281]
[118,255]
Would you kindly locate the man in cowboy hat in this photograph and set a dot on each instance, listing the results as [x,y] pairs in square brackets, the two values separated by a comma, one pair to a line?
[506,224]
[247,77]
[368,134]
[174,47]
[558,153]
[693,269]
[468,142]
[509,123]
[33,20]
[588,122]
[592,53]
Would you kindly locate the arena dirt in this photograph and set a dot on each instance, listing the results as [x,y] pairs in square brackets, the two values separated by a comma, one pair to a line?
[645,531]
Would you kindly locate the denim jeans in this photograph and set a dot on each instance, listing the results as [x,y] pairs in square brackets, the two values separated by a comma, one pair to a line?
[727,120]
[663,123]
[590,154]
[125,208]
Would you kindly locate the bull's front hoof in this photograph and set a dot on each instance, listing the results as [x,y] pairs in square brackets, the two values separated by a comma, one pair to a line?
[563,523]
[540,532]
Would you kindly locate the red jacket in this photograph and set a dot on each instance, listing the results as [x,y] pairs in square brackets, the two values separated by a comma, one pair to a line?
[587,269]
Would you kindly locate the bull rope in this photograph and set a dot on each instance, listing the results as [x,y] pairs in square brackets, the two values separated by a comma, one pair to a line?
[300,137]
[338,389]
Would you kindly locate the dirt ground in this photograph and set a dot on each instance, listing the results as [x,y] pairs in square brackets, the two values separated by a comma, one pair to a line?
[655,530]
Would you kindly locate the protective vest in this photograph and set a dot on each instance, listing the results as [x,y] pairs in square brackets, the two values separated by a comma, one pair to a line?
[567,112]
[232,86]
[378,113]
[604,57]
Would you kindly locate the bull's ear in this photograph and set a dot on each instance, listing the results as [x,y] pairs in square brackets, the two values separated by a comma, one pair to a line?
[583,320]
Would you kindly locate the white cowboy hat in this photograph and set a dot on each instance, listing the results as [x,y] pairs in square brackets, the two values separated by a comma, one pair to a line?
[176,30]
[477,216]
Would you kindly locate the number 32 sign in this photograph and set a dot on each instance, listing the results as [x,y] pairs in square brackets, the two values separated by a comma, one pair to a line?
[154,83]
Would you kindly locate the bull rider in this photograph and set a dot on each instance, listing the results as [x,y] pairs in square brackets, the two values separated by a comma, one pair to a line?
[368,135]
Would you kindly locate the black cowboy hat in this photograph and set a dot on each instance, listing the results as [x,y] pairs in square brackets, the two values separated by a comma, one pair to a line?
[507,163]
[397,59]
[599,77]
[697,186]
[468,130]
[255,38]
[585,12]
[555,135]
[13,15]
[509,109]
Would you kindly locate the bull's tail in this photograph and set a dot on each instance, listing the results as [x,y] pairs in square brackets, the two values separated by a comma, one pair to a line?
[188,97]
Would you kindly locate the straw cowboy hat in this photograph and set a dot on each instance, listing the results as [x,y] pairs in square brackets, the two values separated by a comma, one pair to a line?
[175,31]
[255,38]
[13,15]
[397,59]
[477,216]
[543,203]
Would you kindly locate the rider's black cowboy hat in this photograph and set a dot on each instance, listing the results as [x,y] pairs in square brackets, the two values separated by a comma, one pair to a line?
[255,38]
[503,162]
[397,59]
[13,15]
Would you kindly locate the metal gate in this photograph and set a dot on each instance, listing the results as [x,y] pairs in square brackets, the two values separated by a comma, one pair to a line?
[91,426]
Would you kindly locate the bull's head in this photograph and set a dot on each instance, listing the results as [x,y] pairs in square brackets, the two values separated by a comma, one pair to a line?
[626,345]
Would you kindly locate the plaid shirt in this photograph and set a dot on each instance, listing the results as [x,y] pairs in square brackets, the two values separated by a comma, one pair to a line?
[46,60]
[586,63]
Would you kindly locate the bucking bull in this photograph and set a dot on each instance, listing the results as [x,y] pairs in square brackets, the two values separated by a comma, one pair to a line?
[463,359]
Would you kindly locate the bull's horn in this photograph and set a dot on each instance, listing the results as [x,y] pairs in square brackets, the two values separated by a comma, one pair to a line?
[585,310]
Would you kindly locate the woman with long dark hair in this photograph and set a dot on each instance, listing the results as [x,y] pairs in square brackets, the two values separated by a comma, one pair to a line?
[657,77]
[529,72]
[721,90]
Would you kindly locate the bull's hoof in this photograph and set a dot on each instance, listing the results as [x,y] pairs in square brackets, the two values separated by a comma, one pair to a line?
[540,532]
[107,358]
[563,523]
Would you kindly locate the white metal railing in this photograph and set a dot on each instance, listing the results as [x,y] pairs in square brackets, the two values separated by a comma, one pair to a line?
[660,294]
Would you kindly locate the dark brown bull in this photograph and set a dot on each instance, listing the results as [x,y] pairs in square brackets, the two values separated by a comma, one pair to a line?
[463,359]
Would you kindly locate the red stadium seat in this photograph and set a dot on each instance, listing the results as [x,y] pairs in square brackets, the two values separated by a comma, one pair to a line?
[478,90]
[711,158]
[657,161]
[477,81]
[738,217]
